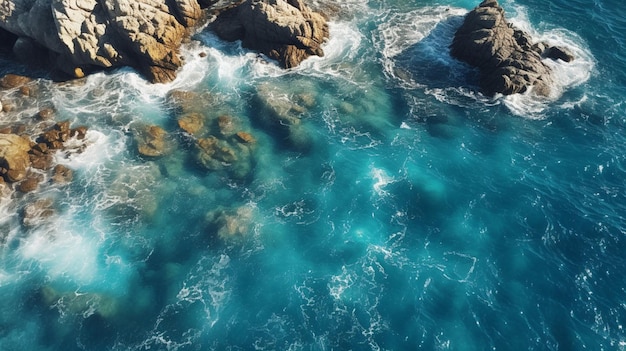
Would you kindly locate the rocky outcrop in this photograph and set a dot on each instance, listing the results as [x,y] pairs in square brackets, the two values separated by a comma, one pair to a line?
[285,30]
[80,35]
[76,37]
[508,60]
[14,159]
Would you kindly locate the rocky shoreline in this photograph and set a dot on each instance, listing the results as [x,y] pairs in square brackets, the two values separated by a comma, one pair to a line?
[89,35]
[75,37]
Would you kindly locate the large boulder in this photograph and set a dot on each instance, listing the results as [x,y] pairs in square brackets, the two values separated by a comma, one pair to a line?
[14,159]
[287,31]
[508,61]
[81,35]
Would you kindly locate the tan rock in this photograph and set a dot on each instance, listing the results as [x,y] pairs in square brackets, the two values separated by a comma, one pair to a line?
[29,184]
[62,175]
[151,141]
[226,124]
[11,81]
[83,34]
[245,137]
[45,114]
[14,159]
[287,31]
[191,123]
[79,132]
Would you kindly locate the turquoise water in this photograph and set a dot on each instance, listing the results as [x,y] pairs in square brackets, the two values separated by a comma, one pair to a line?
[402,210]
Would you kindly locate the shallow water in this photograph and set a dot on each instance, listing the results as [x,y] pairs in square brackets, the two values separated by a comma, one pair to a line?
[391,206]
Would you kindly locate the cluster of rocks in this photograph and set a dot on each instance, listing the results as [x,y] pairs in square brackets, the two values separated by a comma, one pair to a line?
[76,37]
[27,149]
[508,60]
[218,140]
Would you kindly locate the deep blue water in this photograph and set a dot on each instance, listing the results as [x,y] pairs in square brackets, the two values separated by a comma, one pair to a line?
[403,211]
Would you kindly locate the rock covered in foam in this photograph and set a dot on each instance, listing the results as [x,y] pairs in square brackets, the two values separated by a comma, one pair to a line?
[508,61]
[285,30]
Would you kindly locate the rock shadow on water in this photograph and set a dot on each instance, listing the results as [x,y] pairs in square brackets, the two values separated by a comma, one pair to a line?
[429,63]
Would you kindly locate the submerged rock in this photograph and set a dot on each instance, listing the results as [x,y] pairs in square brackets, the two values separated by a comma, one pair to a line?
[37,212]
[191,123]
[62,175]
[233,223]
[286,31]
[508,61]
[151,140]
[282,113]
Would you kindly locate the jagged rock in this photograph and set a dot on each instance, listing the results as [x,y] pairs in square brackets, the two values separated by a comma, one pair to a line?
[226,125]
[233,223]
[286,31]
[151,141]
[558,53]
[508,61]
[11,81]
[62,175]
[30,183]
[87,34]
[45,114]
[79,132]
[245,137]
[191,122]
[42,161]
[215,154]
[14,159]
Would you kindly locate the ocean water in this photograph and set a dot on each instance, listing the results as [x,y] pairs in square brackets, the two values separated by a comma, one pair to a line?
[385,204]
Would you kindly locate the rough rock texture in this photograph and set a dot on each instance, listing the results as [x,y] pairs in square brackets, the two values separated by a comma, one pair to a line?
[82,34]
[14,160]
[508,61]
[152,141]
[285,30]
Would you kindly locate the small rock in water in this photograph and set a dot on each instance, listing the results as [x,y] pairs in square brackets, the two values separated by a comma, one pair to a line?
[191,123]
[245,137]
[151,141]
[29,184]
[62,175]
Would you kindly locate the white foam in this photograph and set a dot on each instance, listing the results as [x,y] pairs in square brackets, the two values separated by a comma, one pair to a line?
[100,149]
[340,283]
[566,75]
[399,31]
[381,179]
[62,252]
[340,51]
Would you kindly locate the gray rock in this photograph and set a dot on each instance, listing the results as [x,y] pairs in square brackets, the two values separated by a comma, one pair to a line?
[508,61]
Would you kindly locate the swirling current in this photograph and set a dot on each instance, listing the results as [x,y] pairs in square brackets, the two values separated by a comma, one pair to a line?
[403,210]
